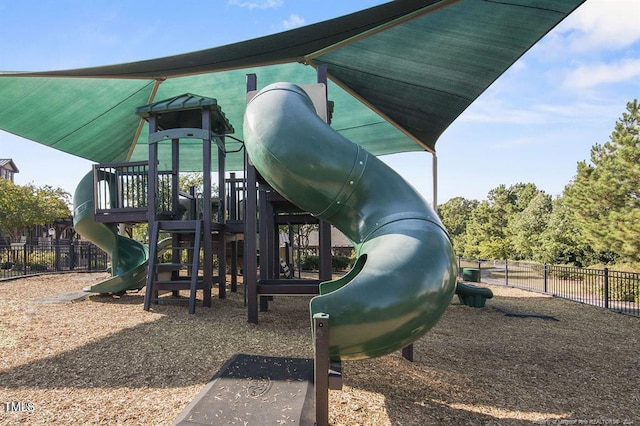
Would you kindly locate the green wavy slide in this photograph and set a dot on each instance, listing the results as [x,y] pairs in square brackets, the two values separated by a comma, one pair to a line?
[129,258]
[405,274]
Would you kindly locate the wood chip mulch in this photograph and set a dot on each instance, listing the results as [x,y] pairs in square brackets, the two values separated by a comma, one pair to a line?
[105,360]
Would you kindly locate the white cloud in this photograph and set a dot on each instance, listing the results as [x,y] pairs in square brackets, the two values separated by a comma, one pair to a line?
[293,21]
[257,4]
[587,76]
[602,24]
[536,113]
[492,110]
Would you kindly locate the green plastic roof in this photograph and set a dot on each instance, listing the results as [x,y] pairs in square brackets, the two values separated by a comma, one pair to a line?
[186,111]
[400,74]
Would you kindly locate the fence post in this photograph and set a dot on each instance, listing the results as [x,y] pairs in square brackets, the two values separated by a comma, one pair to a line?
[545,276]
[606,288]
[72,255]
[506,272]
[24,259]
[56,255]
[459,266]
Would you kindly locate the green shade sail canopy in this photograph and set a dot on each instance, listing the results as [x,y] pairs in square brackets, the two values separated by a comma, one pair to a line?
[400,74]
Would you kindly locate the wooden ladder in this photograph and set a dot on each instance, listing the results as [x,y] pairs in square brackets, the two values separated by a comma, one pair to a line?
[181,231]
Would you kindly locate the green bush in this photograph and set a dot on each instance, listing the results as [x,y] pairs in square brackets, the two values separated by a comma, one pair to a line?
[341,263]
[40,261]
[310,263]
[338,263]
[38,267]
[624,289]
[564,272]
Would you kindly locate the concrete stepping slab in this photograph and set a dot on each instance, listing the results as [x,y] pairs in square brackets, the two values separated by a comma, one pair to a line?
[67,297]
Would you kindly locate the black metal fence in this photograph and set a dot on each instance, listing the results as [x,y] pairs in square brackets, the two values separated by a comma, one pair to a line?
[20,259]
[614,290]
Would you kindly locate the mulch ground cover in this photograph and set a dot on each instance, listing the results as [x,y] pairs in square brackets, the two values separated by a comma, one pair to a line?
[104,360]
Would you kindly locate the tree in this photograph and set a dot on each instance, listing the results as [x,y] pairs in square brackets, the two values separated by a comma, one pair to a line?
[490,231]
[24,206]
[455,214]
[527,227]
[521,194]
[605,194]
[192,179]
[561,239]
[186,181]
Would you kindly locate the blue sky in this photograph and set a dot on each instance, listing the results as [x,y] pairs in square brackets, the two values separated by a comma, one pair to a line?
[533,125]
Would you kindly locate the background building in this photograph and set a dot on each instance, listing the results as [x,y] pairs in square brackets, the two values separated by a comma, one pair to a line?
[7,169]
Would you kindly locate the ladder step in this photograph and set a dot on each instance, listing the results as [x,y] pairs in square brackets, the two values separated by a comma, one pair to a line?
[159,278]
[167,267]
[178,225]
[176,285]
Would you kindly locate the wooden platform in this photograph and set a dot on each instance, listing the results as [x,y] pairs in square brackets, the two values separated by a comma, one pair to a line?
[255,390]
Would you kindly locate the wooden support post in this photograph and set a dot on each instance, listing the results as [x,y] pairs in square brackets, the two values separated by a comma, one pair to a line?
[250,232]
[324,232]
[321,368]
[234,216]
[324,237]
[250,255]
[263,244]
[234,266]
[222,245]
[207,267]
[175,176]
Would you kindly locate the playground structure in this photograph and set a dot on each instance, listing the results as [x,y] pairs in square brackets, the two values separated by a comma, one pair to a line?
[120,194]
[370,204]
[405,275]
[445,54]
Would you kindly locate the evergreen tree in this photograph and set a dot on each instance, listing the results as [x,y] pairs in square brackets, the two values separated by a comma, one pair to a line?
[604,197]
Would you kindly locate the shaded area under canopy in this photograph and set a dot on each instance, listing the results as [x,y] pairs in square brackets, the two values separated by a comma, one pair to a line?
[400,74]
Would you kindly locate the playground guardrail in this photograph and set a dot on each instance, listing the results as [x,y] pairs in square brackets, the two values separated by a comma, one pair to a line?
[618,291]
[22,259]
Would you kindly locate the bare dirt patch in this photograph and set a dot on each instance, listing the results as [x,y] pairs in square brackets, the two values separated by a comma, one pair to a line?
[107,361]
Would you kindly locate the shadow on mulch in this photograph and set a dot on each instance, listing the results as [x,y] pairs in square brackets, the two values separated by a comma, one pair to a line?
[479,366]
[476,366]
[175,350]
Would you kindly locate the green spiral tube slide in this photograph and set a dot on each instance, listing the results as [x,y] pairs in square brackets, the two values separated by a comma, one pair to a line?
[129,257]
[405,274]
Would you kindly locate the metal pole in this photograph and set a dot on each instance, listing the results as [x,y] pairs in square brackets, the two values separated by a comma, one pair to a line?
[24,259]
[606,288]
[506,272]
[434,161]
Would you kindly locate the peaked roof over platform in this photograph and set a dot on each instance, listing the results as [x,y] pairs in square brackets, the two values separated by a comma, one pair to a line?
[400,74]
